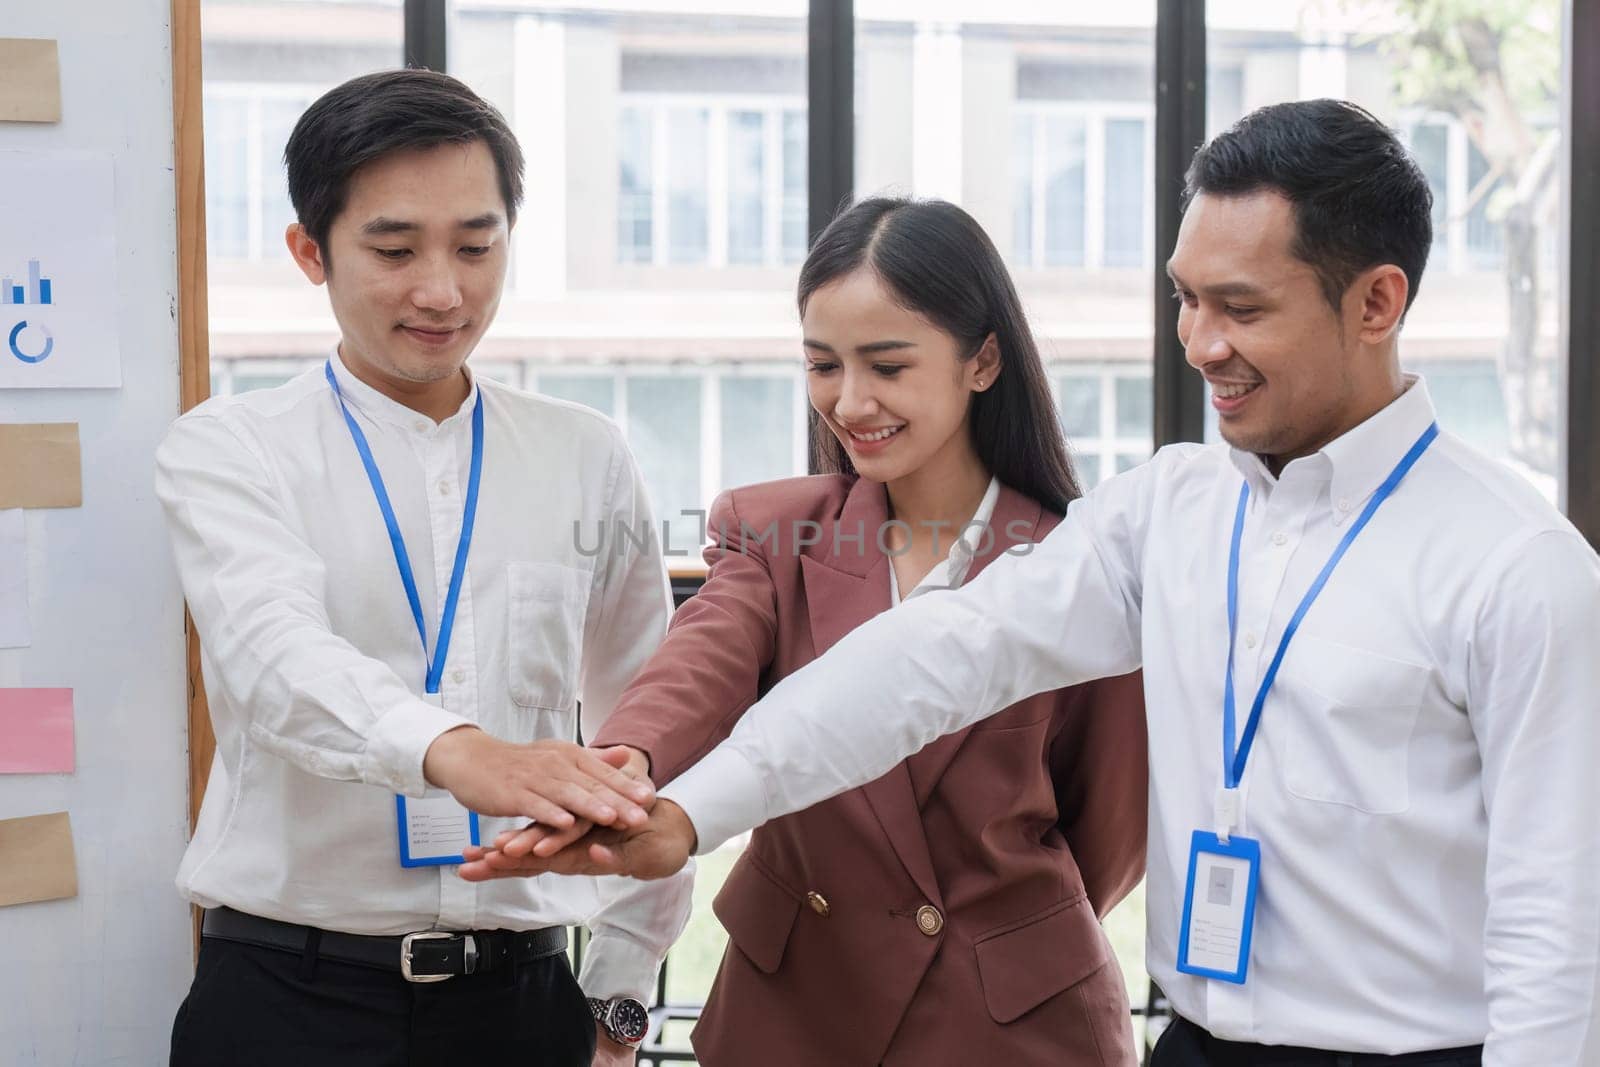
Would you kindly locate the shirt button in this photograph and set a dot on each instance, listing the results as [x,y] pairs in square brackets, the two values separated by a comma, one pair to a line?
[1249,640]
[444,488]
[422,427]
[1344,504]
[1280,539]
[458,676]
[819,903]
[929,921]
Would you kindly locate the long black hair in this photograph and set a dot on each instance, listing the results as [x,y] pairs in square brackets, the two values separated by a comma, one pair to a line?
[938,263]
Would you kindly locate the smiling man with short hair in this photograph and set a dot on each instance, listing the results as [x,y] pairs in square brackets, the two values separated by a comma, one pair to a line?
[398,627]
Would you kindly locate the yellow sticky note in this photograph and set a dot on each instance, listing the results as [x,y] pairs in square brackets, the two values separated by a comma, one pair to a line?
[40,465]
[30,80]
[36,859]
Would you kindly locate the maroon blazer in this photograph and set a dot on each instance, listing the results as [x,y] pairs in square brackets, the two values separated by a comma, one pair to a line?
[945,913]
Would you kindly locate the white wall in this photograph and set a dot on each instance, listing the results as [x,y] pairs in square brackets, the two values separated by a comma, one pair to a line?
[96,979]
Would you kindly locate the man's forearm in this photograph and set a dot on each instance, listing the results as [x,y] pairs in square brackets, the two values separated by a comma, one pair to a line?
[933,665]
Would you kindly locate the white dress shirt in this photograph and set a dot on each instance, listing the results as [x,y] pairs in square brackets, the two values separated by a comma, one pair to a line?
[951,570]
[1425,773]
[314,669]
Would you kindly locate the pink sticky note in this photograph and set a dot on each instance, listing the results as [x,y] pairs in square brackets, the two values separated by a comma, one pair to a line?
[36,731]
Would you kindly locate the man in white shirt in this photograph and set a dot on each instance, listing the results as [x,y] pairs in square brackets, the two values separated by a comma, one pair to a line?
[399,622]
[1368,655]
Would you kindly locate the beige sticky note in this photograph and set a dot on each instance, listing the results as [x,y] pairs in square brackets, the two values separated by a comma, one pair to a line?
[40,465]
[30,80]
[36,859]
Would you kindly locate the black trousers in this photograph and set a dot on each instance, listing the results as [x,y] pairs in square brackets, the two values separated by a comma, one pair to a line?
[1186,1045]
[263,1007]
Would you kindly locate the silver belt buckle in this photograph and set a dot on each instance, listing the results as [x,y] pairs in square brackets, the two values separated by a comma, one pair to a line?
[429,935]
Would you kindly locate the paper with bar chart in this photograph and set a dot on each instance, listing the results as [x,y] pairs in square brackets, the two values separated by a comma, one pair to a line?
[58,280]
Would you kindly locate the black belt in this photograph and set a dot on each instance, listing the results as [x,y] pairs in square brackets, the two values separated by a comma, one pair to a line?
[1220,1053]
[423,956]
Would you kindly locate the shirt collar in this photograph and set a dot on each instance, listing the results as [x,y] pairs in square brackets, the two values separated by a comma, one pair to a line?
[972,534]
[1355,463]
[373,404]
[951,572]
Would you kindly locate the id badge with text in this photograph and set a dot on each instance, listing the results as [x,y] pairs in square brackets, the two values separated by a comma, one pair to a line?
[434,830]
[1219,907]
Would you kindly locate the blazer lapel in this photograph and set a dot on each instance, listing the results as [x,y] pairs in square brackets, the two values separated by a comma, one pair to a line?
[844,589]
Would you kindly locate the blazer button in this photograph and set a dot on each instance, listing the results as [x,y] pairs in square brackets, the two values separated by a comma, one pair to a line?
[929,921]
[818,902]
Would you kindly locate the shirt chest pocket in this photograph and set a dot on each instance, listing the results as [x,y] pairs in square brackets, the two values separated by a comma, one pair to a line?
[547,603]
[1349,724]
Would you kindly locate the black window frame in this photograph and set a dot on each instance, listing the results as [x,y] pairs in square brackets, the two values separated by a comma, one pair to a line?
[1180,113]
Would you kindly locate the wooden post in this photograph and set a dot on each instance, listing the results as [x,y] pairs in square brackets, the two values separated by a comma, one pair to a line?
[193,329]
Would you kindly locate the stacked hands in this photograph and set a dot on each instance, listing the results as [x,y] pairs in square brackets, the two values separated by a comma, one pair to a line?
[591,811]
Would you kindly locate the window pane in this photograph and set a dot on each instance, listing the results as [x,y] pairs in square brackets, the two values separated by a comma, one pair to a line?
[1224,93]
[1430,144]
[1080,407]
[1135,404]
[664,434]
[277,122]
[757,430]
[1483,229]
[1126,183]
[635,186]
[687,178]
[227,130]
[794,186]
[1064,192]
[1022,189]
[590,390]
[1468,396]
[746,186]
[1493,290]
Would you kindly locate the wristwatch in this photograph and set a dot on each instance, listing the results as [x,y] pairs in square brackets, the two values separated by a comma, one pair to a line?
[624,1019]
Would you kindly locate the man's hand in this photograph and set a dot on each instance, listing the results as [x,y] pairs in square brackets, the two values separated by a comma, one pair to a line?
[546,841]
[609,1053]
[555,783]
[657,849]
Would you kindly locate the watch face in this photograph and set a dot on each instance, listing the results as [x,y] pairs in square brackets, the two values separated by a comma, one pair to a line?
[630,1019]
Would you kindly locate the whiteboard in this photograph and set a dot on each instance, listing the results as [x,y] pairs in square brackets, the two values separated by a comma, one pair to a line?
[96,979]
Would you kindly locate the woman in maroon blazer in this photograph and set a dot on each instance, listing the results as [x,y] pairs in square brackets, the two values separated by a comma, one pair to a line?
[946,914]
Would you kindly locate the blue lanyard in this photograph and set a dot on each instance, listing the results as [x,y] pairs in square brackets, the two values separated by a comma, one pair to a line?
[1232,762]
[447,618]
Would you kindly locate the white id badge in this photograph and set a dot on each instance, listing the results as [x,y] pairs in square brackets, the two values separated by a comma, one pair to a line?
[1219,907]
[434,830]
